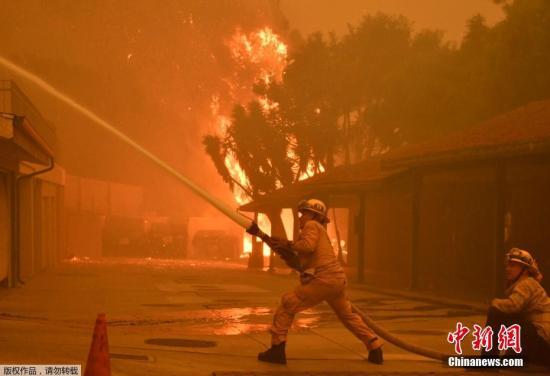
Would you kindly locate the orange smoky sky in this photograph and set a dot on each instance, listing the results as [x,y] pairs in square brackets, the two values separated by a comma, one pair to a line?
[450,16]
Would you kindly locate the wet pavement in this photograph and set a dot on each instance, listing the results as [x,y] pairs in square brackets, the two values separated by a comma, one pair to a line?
[198,318]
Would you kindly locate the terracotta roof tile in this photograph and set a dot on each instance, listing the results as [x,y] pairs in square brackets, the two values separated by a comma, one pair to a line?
[517,131]
[524,126]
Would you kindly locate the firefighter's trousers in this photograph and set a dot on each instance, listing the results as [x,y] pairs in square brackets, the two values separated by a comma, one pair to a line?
[305,296]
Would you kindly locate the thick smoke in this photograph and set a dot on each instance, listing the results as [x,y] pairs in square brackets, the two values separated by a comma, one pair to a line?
[150,68]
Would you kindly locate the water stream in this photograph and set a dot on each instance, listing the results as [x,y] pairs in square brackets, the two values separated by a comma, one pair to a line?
[218,204]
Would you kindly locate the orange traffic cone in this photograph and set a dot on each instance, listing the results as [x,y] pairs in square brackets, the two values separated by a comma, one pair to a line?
[99,363]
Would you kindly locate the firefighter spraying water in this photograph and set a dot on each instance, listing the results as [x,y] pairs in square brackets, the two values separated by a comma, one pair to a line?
[322,278]
[311,255]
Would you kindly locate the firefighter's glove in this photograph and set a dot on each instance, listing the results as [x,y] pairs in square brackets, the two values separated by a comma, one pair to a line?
[283,248]
[253,230]
[279,243]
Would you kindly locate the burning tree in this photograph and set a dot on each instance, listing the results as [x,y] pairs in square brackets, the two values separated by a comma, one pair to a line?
[306,105]
[259,147]
[250,149]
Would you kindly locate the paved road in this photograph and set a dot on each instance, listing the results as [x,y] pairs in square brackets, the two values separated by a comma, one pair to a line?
[199,318]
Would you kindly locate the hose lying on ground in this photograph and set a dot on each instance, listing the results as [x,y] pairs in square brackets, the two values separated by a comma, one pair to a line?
[419,350]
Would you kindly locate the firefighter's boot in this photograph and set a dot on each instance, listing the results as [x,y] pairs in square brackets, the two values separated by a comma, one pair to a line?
[376,356]
[275,354]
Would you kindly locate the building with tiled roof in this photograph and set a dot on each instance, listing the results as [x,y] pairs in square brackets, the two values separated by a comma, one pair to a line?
[437,217]
[525,130]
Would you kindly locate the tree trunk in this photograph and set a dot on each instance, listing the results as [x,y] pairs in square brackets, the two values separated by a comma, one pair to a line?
[256,258]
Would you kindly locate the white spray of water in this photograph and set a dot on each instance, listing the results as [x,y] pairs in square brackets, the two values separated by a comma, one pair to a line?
[221,206]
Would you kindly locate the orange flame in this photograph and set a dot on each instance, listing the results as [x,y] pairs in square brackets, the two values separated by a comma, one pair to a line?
[263,52]
[311,170]
[263,49]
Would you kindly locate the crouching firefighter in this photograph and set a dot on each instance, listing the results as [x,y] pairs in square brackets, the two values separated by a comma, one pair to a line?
[526,304]
[322,278]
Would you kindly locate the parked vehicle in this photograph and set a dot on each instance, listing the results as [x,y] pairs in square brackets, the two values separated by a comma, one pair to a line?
[136,237]
[215,245]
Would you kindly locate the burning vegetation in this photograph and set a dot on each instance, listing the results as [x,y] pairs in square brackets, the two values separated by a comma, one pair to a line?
[321,102]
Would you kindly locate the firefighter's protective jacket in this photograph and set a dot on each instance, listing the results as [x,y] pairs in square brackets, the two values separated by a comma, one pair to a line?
[327,283]
[528,298]
[316,252]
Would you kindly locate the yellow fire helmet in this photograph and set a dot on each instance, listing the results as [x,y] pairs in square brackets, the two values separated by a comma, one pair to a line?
[314,206]
[523,257]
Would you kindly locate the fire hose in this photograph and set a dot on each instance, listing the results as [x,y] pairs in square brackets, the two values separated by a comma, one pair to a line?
[291,259]
[419,350]
[251,227]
